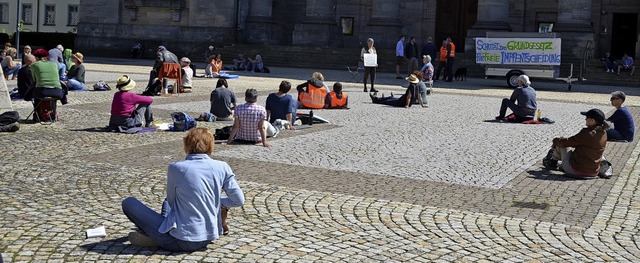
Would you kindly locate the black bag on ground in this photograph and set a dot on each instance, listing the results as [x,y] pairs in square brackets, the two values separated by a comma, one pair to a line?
[9,117]
[224,133]
[154,88]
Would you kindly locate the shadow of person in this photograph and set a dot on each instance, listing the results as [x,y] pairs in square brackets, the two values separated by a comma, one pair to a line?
[548,175]
[119,246]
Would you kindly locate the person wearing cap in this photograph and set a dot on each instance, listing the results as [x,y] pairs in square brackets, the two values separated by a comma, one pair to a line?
[194,212]
[422,89]
[623,124]
[163,56]
[522,102]
[187,74]
[45,75]
[250,120]
[406,100]
[369,71]
[583,162]
[124,112]
[76,73]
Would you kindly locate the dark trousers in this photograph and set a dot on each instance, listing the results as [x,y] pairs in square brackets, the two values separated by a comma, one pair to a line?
[39,93]
[448,70]
[517,110]
[371,73]
[441,65]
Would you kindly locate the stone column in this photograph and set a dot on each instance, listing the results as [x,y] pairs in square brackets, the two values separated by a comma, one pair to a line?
[319,25]
[574,16]
[259,26]
[385,25]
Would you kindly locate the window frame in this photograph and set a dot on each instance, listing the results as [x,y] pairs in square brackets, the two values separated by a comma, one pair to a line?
[77,10]
[22,13]
[45,22]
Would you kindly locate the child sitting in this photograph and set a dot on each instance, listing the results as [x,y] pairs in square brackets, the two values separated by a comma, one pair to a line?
[336,99]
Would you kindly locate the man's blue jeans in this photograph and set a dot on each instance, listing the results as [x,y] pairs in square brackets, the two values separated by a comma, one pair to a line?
[149,221]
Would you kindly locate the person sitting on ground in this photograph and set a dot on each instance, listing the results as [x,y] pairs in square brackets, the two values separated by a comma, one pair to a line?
[589,144]
[623,125]
[422,89]
[312,93]
[223,101]
[26,83]
[66,56]
[240,62]
[26,50]
[427,69]
[336,99]
[406,100]
[76,73]
[522,102]
[210,52]
[608,62]
[256,65]
[214,67]
[250,120]
[194,211]
[9,66]
[55,55]
[626,64]
[187,74]
[124,112]
[281,105]
[46,76]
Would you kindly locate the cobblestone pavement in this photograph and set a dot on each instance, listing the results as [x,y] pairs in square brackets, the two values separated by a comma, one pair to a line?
[377,184]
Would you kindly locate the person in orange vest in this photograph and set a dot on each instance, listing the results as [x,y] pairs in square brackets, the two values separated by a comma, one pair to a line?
[442,61]
[312,93]
[337,99]
[451,57]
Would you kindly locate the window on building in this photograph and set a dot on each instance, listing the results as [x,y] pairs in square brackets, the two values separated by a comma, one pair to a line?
[74,16]
[4,13]
[27,14]
[50,15]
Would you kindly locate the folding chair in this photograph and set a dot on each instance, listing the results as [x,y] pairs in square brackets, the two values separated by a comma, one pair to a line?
[355,72]
[53,114]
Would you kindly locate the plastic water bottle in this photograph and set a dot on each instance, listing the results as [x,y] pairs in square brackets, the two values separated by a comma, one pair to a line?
[311,117]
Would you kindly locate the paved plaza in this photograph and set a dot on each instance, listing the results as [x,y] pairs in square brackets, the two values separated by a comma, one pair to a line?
[437,184]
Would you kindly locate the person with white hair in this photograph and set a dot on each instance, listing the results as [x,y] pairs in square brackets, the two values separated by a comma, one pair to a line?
[427,69]
[369,71]
[55,55]
[522,103]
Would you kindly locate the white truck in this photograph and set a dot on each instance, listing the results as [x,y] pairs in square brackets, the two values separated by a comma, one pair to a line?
[511,54]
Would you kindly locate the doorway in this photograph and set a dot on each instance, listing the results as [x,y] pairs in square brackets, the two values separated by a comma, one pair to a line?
[453,19]
[624,34]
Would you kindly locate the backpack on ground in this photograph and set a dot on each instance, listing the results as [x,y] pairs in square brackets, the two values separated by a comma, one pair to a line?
[182,121]
[101,86]
[224,133]
[154,88]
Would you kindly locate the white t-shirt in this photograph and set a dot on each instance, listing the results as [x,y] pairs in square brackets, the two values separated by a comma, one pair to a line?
[187,77]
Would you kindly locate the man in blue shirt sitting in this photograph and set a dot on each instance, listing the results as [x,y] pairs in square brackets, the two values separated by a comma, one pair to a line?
[623,125]
[281,105]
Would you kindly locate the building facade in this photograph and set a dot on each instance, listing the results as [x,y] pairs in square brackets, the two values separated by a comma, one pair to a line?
[60,16]
[181,24]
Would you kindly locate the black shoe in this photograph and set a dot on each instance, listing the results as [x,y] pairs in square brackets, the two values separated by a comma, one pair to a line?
[365,89]
[499,118]
[374,90]
[371,96]
[550,164]
[9,128]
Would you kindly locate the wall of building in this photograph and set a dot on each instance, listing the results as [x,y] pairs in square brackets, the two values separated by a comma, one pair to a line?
[38,23]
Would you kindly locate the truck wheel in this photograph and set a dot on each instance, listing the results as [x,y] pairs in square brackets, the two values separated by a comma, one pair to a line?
[512,79]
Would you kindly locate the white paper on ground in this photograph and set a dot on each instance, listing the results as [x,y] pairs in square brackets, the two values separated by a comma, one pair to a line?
[97,232]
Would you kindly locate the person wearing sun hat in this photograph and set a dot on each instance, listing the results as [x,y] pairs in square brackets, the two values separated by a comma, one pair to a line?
[47,81]
[76,73]
[583,162]
[406,100]
[124,112]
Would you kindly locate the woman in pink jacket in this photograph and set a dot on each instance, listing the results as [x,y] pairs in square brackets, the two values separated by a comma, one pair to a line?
[124,112]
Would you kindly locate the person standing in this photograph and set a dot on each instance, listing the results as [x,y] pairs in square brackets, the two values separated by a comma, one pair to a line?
[442,61]
[429,48]
[411,53]
[451,57]
[399,55]
[369,71]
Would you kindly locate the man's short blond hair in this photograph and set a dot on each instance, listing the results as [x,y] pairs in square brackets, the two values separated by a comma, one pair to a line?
[317,76]
[199,141]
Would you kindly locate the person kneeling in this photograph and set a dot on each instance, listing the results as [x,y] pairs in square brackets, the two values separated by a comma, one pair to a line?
[584,161]
[124,113]
[336,99]
[194,212]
